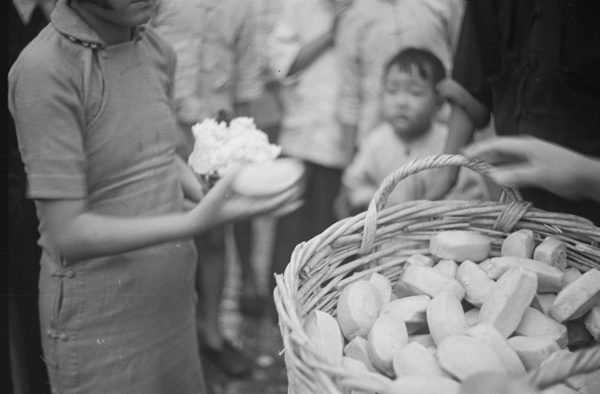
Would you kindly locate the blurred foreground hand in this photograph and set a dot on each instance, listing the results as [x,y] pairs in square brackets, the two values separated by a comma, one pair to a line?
[526,161]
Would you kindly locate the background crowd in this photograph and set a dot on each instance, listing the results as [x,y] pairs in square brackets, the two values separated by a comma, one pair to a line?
[353,89]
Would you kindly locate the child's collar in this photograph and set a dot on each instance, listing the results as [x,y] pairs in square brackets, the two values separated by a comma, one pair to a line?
[69,23]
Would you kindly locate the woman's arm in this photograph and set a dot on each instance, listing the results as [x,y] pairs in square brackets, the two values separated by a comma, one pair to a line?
[528,161]
[460,134]
[79,234]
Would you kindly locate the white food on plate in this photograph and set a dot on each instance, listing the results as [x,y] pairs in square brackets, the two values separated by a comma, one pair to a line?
[219,146]
[272,177]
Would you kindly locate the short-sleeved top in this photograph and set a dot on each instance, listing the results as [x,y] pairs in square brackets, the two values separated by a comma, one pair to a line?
[95,122]
[382,153]
[372,32]
[310,129]
[534,65]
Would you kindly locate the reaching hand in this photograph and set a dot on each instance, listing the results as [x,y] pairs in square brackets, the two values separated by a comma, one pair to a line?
[528,161]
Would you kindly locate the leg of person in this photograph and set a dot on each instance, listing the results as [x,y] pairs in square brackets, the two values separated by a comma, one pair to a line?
[19,374]
[326,183]
[210,281]
[290,230]
[251,302]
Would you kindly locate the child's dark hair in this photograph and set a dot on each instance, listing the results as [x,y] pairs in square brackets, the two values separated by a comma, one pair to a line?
[426,63]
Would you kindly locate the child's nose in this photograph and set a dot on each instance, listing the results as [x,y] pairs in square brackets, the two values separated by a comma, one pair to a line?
[401,100]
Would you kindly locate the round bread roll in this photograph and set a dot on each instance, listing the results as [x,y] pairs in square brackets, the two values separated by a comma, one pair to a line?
[460,245]
[358,308]
[268,178]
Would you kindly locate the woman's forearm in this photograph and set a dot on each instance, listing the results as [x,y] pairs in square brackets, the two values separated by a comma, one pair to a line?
[588,184]
[460,133]
[79,235]
[460,130]
[524,161]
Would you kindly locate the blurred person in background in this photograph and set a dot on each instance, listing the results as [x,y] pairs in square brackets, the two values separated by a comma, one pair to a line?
[302,56]
[410,130]
[370,34]
[268,107]
[218,71]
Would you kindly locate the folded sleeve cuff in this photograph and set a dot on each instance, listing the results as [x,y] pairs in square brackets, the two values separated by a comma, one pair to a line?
[458,95]
[56,187]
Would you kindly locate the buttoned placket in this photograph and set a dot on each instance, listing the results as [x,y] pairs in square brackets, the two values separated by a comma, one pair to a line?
[52,333]
[528,68]
[59,273]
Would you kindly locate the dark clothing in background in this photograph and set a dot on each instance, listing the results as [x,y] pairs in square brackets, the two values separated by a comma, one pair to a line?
[536,66]
[24,253]
[311,219]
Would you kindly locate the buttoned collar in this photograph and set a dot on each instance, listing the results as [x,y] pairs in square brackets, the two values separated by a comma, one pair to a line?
[69,23]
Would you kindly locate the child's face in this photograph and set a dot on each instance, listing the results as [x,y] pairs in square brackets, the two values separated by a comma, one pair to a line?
[409,102]
[127,13]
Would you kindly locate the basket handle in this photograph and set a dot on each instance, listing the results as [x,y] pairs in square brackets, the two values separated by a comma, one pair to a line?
[428,162]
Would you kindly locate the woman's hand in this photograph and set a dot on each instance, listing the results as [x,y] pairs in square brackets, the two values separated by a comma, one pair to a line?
[222,205]
[192,188]
[527,161]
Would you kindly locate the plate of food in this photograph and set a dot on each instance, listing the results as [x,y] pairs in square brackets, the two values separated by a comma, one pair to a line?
[269,177]
[227,142]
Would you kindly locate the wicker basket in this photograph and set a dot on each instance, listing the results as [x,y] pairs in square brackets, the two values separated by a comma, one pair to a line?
[353,248]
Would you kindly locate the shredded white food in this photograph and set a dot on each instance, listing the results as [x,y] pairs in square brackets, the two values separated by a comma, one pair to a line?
[217,146]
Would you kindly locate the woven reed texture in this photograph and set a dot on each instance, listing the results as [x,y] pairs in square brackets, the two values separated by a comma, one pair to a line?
[380,240]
